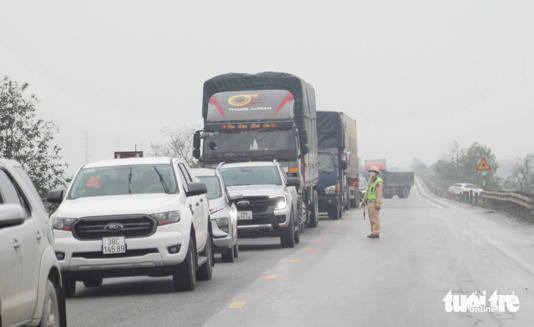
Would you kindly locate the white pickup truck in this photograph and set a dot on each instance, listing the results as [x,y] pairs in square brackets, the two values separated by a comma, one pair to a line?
[132,217]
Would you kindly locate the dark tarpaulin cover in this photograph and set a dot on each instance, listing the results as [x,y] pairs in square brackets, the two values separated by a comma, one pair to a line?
[303,93]
[329,129]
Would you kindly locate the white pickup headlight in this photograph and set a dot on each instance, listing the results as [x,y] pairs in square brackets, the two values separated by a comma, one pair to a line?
[281,201]
[165,218]
[330,189]
[63,223]
[222,223]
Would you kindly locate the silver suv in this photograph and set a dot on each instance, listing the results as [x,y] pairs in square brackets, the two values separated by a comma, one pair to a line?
[30,280]
[266,200]
[223,214]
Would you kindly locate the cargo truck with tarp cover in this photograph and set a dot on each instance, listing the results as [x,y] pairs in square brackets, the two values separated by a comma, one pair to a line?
[338,163]
[260,117]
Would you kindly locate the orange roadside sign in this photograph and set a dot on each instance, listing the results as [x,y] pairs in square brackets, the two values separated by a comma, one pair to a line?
[483,165]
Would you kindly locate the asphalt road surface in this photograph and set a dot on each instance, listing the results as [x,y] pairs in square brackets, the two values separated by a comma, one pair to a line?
[337,277]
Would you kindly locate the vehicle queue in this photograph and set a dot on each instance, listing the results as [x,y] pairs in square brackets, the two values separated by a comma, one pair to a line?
[159,217]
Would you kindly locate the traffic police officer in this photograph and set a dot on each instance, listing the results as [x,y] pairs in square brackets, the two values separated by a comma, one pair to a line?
[373,200]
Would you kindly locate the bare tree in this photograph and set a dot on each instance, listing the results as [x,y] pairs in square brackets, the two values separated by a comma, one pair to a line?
[179,144]
[522,175]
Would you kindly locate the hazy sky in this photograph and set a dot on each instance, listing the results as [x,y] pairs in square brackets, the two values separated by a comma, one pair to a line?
[416,75]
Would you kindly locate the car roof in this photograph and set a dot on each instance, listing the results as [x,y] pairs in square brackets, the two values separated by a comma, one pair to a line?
[204,172]
[249,164]
[129,161]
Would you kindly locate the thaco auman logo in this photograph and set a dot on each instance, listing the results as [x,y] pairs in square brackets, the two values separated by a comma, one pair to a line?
[480,302]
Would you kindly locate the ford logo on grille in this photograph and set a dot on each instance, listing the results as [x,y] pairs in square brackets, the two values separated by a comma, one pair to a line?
[113,227]
[243,203]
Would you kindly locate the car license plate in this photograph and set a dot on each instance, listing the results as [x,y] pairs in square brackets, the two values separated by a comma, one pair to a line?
[244,215]
[113,245]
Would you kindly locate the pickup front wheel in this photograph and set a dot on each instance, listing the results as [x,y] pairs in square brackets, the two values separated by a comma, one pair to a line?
[288,238]
[185,277]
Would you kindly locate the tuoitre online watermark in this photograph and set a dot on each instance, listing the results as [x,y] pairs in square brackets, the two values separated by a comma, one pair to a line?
[480,302]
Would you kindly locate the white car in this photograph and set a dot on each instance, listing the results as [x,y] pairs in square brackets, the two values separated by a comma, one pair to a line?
[30,279]
[459,188]
[223,214]
[266,200]
[132,217]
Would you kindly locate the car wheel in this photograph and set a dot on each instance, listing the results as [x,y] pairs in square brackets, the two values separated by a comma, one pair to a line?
[94,282]
[227,255]
[51,316]
[69,286]
[288,238]
[297,233]
[206,270]
[314,219]
[236,251]
[185,277]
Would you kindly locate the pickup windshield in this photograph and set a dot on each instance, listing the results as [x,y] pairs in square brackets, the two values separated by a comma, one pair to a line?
[279,143]
[128,179]
[327,162]
[258,175]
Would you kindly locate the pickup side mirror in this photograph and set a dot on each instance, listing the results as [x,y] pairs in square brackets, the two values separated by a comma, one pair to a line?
[344,164]
[196,189]
[55,196]
[11,215]
[293,181]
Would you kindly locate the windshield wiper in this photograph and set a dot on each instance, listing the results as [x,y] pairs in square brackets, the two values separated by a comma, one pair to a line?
[162,181]
[130,181]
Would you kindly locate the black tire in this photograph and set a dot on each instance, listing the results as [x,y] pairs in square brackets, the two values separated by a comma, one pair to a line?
[51,316]
[227,255]
[353,203]
[205,272]
[314,215]
[94,282]
[288,238]
[185,277]
[236,251]
[333,212]
[69,286]
[404,193]
[297,234]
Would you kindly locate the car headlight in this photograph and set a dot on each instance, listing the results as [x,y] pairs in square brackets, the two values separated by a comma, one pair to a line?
[222,223]
[331,189]
[63,223]
[165,218]
[281,201]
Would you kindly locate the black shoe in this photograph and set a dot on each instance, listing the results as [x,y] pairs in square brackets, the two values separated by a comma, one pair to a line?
[373,236]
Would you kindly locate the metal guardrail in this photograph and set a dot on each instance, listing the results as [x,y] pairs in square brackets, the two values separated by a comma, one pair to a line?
[512,203]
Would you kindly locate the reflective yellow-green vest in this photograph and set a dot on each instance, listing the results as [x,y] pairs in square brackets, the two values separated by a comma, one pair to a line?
[371,189]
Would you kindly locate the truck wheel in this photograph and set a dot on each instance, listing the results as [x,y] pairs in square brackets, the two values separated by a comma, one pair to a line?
[51,316]
[404,193]
[185,277]
[353,203]
[206,270]
[69,286]
[93,282]
[228,255]
[333,212]
[288,238]
[340,208]
[314,219]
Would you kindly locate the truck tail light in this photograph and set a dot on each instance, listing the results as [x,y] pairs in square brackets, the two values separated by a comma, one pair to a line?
[294,169]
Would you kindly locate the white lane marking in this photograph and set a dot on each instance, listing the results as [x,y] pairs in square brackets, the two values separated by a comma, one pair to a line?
[431,202]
